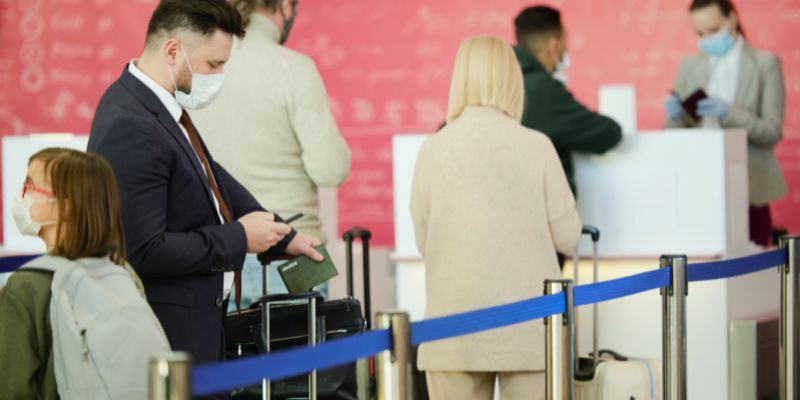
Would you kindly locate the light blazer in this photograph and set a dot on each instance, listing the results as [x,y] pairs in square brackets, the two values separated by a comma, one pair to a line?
[759,108]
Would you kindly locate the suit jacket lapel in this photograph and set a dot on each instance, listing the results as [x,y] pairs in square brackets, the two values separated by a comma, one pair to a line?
[747,74]
[152,103]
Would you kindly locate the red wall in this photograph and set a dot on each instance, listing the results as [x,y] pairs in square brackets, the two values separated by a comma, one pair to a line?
[386,64]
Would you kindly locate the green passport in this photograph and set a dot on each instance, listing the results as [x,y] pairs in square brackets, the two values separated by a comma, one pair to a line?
[301,274]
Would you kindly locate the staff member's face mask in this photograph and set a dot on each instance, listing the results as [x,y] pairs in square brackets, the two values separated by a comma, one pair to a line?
[718,44]
[716,31]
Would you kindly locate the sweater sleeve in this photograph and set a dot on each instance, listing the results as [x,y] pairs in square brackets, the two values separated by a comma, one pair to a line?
[565,224]
[18,359]
[572,126]
[325,153]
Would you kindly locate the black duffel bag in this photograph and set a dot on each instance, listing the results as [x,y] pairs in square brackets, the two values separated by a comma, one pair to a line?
[289,328]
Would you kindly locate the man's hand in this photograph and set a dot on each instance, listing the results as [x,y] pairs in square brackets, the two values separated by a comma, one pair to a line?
[304,244]
[262,231]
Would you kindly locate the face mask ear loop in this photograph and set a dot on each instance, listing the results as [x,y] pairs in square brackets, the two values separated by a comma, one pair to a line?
[185,57]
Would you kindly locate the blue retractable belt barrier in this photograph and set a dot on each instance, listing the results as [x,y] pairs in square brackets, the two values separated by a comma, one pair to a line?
[485,319]
[214,378]
[614,289]
[285,364]
[11,264]
[738,266]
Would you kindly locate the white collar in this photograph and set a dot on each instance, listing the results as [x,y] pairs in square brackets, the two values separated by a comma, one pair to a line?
[175,109]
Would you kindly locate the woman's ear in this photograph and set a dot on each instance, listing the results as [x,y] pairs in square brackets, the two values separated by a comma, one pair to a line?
[734,23]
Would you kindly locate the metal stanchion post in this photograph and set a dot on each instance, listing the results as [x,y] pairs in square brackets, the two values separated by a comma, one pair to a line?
[559,351]
[266,388]
[674,328]
[312,341]
[575,336]
[788,335]
[393,367]
[170,377]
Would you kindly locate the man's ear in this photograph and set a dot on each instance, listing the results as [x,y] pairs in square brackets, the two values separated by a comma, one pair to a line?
[286,8]
[553,45]
[170,51]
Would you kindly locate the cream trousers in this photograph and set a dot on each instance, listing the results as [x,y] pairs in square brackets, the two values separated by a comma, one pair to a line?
[447,385]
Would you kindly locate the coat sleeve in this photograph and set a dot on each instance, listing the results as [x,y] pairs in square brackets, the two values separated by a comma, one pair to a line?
[572,126]
[420,195]
[18,359]
[325,154]
[142,165]
[565,224]
[764,128]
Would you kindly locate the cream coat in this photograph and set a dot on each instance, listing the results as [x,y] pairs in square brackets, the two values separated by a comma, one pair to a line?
[759,107]
[491,206]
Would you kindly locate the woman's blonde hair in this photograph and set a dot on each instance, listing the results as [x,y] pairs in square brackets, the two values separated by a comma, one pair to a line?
[89,208]
[486,73]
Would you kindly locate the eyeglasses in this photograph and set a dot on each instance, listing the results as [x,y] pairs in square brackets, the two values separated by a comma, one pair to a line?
[29,187]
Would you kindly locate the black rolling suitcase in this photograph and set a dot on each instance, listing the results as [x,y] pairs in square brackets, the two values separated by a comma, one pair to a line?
[289,324]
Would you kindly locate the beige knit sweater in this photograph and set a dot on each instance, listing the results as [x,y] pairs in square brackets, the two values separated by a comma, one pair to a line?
[271,127]
[491,206]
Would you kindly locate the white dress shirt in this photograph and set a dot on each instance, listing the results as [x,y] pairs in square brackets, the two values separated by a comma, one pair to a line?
[175,110]
[724,77]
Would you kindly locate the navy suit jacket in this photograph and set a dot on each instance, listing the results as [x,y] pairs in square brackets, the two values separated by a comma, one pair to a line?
[174,238]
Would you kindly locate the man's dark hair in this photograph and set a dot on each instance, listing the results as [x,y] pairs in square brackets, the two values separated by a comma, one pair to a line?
[200,16]
[536,22]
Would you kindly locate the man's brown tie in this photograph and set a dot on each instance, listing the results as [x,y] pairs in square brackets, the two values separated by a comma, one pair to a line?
[194,138]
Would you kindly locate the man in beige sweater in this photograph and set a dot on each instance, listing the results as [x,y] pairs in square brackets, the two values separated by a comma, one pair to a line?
[272,127]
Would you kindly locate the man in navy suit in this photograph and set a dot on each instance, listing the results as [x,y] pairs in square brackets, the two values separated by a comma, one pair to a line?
[188,223]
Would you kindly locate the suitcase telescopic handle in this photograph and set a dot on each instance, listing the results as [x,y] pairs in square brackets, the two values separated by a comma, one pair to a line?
[349,237]
[357,232]
[591,231]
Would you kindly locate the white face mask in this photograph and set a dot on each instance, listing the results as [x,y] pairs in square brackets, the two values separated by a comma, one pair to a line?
[205,88]
[21,211]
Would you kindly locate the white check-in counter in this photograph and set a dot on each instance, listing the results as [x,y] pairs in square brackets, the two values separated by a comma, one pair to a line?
[667,192]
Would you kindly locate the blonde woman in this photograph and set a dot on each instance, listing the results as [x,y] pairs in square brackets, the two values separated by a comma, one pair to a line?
[491,206]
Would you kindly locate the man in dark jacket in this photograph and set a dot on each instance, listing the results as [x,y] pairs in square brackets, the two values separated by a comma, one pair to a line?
[549,107]
[188,222]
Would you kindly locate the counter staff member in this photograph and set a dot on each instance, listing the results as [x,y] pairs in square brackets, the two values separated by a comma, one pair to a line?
[188,222]
[745,90]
